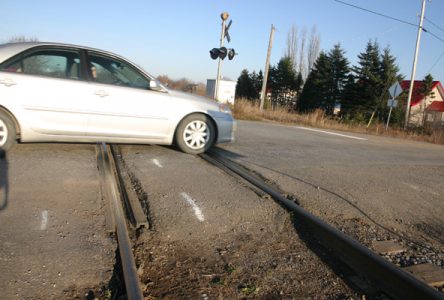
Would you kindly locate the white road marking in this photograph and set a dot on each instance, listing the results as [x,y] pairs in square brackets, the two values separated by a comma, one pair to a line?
[157,163]
[416,188]
[197,211]
[332,133]
[44,223]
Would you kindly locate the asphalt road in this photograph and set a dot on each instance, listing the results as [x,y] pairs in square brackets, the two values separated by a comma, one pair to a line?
[391,182]
[52,233]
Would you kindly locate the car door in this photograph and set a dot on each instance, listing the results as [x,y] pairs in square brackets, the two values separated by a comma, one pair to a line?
[47,91]
[123,106]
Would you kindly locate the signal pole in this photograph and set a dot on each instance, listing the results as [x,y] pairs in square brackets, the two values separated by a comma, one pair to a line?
[415,59]
[224,16]
[267,66]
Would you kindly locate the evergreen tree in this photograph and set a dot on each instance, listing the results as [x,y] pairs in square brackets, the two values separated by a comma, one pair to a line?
[325,83]
[299,83]
[366,92]
[388,75]
[337,77]
[427,86]
[315,92]
[283,82]
[349,93]
[367,78]
[257,79]
[245,87]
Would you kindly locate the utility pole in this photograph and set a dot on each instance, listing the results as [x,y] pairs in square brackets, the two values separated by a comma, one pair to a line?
[224,16]
[267,66]
[415,59]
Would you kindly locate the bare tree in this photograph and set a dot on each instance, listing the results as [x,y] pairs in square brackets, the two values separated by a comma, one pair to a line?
[303,50]
[22,38]
[183,84]
[301,63]
[313,48]
[292,44]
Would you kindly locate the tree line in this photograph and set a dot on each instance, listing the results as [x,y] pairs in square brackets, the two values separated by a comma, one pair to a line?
[352,93]
[183,84]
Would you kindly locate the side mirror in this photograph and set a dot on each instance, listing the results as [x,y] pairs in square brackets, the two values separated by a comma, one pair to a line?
[155,86]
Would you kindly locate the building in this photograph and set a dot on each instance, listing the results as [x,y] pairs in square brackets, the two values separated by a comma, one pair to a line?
[435,114]
[421,109]
[226,93]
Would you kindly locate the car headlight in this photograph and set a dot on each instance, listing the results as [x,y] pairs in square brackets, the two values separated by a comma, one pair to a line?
[224,109]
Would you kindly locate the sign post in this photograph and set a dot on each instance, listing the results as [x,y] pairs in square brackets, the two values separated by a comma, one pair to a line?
[395,90]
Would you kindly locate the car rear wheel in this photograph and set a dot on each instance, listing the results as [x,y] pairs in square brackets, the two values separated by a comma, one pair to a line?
[195,134]
[7,132]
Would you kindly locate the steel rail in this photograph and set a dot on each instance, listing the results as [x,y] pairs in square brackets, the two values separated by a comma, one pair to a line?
[390,279]
[132,283]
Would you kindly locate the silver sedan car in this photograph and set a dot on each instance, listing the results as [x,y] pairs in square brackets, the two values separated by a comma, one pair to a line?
[65,93]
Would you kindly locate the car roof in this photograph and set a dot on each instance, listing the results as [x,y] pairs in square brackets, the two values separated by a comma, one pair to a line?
[10,49]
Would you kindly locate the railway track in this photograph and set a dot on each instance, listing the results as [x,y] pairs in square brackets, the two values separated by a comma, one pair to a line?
[112,191]
[393,281]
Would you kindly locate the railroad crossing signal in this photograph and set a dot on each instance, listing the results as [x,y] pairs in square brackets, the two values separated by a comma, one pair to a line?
[231,53]
[222,52]
[227,35]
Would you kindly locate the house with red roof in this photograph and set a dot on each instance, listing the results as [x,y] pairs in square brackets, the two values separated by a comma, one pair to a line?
[426,109]
[435,114]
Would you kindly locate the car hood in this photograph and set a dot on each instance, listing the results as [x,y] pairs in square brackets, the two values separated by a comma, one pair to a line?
[213,104]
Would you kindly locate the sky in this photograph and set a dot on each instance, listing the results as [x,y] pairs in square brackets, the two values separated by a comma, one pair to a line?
[173,37]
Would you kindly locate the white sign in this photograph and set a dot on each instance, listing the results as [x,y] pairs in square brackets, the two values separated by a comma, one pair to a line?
[395,90]
[392,103]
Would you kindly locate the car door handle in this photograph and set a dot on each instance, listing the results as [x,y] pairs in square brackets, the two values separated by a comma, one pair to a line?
[7,82]
[101,93]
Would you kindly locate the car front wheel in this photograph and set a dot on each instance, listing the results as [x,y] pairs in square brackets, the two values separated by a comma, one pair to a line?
[7,132]
[195,134]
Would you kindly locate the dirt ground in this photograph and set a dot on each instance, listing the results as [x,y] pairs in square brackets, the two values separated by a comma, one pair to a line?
[250,264]
[248,247]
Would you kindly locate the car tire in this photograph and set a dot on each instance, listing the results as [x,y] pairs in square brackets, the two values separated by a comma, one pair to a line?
[7,132]
[195,134]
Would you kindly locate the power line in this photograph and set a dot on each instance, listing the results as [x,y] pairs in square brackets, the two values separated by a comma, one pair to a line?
[437,26]
[436,62]
[396,19]
[377,13]
[434,35]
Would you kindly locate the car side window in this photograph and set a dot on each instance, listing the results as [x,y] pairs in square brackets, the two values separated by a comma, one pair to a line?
[48,63]
[108,70]
[14,67]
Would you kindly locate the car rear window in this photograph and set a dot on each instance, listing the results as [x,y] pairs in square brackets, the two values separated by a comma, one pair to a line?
[48,63]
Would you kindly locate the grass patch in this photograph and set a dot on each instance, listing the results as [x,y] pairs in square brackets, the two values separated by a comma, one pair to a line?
[229,269]
[248,289]
[248,110]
